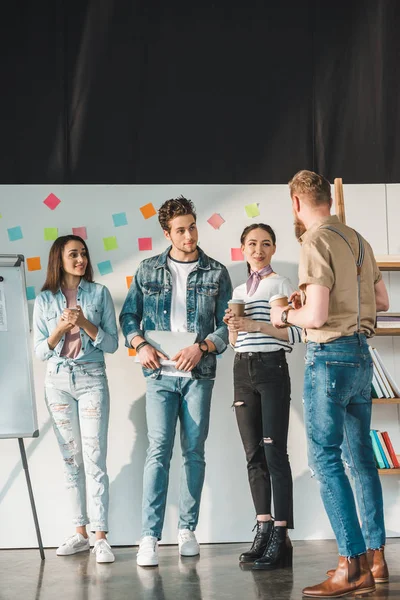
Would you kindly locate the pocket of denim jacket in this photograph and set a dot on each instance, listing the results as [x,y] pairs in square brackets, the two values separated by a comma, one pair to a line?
[341,379]
[150,288]
[207,289]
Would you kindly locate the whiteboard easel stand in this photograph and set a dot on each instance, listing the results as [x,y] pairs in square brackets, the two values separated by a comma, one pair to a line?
[31,498]
[15,328]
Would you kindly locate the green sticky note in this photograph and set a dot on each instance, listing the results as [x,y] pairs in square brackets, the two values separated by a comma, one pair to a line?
[110,243]
[50,233]
[252,210]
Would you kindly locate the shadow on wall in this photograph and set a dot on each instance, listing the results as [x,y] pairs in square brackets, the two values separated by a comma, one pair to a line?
[127,487]
[18,468]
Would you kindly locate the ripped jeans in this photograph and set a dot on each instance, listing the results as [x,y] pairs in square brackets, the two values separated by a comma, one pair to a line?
[262,405]
[77,398]
[337,412]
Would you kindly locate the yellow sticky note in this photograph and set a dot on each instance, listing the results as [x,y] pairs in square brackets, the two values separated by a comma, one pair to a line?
[252,210]
[110,243]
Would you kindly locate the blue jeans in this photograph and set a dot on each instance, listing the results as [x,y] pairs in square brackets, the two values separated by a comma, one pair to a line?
[337,405]
[77,398]
[167,399]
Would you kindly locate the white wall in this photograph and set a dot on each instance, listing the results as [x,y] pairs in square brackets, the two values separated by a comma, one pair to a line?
[227,513]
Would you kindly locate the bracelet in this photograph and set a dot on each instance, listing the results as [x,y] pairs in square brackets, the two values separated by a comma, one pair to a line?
[141,345]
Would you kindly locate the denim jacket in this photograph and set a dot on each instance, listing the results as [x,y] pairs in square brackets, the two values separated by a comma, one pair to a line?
[98,308]
[148,305]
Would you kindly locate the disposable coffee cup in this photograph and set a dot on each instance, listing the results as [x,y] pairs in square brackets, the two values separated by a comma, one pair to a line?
[278,300]
[237,307]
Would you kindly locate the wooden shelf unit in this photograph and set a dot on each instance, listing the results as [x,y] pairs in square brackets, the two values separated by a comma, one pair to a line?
[385,400]
[390,471]
[388,263]
[387,331]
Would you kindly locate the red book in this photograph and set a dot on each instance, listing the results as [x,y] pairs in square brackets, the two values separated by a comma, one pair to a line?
[391,451]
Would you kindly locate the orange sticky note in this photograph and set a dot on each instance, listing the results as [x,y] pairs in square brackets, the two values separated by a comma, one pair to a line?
[129,281]
[148,210]
[131,352]
[33,263]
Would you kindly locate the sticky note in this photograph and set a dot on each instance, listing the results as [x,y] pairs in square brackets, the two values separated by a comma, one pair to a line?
[81,231]
[1,216]
[30,292]
[50,233]
[51,201]
[15,233]
[148,210]
[120,219]
[236,254]
[33,263]
[131,352]
[252,210]
[129,281]
[110,243]
[216,220]
[105,267]
[145,243]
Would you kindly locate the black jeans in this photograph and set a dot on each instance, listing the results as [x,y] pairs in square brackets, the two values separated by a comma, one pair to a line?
[262,405]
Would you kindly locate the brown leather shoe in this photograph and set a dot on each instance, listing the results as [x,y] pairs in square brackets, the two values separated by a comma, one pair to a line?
[377,564]
[352,576]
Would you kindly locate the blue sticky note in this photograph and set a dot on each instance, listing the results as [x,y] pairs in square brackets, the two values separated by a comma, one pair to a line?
[105,267]
[30,292]
[120,219]
[15,233]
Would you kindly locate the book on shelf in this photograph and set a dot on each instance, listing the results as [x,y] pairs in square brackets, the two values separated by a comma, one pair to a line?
[377,452]
[389,446]
[385,381]
[388,461]
[384,453]
[376,388]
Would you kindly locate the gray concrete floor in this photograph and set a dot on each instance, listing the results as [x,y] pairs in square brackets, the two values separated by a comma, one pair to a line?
[216,574]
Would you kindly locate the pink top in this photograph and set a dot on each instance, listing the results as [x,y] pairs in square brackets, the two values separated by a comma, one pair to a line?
[72,343]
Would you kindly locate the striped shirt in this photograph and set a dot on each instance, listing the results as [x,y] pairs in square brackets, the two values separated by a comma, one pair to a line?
[257,307]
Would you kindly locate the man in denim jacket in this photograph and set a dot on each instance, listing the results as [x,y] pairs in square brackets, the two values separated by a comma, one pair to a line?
[180,290]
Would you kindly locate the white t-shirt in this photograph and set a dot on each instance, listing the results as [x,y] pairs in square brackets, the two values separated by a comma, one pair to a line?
[179,272]
[257,307]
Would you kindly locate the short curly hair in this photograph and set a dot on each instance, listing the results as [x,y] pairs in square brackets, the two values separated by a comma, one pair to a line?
[176,207]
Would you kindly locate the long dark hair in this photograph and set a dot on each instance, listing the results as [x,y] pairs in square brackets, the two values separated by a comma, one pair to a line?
[249,228]
[55,268]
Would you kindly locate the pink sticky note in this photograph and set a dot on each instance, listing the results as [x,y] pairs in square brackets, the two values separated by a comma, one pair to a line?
[236,254]
[51,201]
[145,243]
[81,231]
[216,220]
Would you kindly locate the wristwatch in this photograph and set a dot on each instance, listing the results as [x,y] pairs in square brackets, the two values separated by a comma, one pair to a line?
[203,348]
[284,315]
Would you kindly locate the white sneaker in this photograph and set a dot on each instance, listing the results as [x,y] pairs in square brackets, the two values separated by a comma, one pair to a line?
[103,552]
[188,545]
[147,555]
[72,545]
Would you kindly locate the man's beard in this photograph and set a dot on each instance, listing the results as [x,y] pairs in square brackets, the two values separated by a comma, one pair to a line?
[299,228]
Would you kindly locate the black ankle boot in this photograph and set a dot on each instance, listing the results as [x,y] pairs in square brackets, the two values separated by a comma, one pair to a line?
[278,552]
[263,533]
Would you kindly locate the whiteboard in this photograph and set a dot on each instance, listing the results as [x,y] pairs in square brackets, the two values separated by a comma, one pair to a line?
[18,416]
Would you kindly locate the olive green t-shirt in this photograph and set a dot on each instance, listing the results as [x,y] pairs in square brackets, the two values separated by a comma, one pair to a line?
[327,260]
